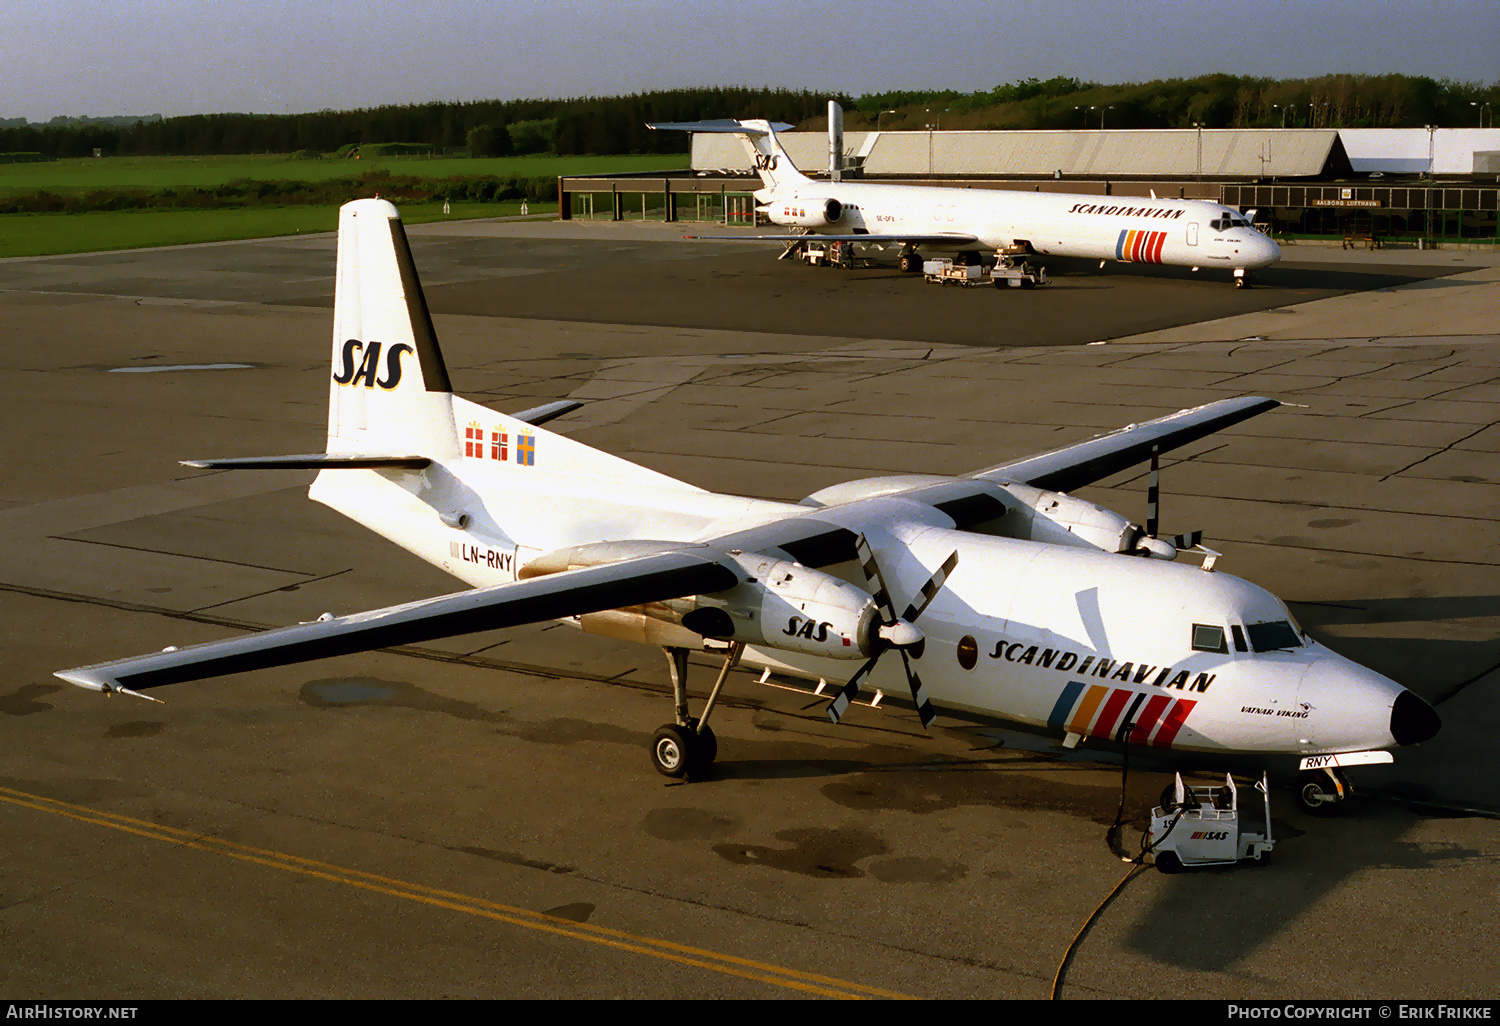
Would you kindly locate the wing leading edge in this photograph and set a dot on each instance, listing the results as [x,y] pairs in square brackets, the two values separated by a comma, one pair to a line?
[1074,466]
[652,578]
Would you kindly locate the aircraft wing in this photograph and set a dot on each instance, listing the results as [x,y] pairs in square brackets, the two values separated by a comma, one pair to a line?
[935,239]
[1074,466]
[652,578]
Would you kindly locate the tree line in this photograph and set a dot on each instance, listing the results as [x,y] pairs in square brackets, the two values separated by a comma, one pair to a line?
[575,127]
[610,125]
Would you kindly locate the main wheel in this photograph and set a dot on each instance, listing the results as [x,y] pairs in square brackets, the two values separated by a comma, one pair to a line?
[672,750]
[911,262]
[1317,795]
[705,749]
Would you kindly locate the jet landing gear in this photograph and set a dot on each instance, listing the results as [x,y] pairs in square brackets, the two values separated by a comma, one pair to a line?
[1322,792]
[910,260]
[688,747]
[1242,279]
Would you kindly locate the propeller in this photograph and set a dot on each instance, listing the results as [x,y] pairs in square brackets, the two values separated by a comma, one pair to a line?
[898,632]
[1151,544]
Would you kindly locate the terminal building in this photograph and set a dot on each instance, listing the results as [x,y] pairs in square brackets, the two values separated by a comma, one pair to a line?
[1368,187]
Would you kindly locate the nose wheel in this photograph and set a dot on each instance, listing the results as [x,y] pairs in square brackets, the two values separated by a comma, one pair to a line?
[1242,278]
[687,748]
[1322,792]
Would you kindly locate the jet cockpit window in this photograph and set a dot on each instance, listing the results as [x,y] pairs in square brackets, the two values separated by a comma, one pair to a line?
[1267,637]
[1208,638]
[1228,221]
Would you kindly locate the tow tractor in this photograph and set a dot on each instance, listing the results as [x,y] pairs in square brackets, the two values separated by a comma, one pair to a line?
[1200,826]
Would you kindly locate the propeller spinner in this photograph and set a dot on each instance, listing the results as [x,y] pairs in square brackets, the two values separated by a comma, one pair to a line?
[898,632]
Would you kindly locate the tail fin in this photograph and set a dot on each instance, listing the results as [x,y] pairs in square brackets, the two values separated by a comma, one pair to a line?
[389,390]
[771,161]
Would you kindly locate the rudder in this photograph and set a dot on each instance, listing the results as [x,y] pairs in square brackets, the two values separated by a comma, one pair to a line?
[389,387]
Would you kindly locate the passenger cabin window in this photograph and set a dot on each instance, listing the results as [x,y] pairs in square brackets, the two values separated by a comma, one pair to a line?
[1208,638]
[1268,637]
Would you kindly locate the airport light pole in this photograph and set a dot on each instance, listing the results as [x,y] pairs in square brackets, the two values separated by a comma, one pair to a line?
[1198,126]
[1101,117]
[1476,103]
[881,115]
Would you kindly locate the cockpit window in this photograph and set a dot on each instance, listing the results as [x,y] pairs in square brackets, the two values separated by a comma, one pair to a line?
[1267,637]
[1228,221]
[1208,638]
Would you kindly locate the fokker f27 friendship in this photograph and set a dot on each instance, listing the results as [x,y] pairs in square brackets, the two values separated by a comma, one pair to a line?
[1011,225]
[989,596]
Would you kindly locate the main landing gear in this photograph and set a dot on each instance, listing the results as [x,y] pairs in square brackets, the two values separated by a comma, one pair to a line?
[1322,792]
[909,261]
[687,748]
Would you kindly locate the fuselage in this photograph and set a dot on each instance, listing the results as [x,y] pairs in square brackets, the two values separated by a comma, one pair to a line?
[1182,232]
[1066,640]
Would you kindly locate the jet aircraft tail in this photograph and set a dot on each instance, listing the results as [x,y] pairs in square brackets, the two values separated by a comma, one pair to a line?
[766,153]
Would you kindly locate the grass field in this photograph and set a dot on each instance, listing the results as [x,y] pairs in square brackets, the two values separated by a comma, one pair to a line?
[83,173]
[50,234]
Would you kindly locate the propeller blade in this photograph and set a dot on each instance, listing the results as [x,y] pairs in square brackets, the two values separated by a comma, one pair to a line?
[918,696]
[1153,494]
[931,588]
[850,690]
[876,581]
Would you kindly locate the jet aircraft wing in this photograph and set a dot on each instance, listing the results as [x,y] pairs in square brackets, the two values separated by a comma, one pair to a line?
[1077,465]
[676,573]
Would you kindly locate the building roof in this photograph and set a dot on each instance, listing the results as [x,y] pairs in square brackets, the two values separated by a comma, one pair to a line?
[1178,152]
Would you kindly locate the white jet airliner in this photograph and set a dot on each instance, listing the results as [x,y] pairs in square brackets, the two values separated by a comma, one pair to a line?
[1018,602]
[1006,223]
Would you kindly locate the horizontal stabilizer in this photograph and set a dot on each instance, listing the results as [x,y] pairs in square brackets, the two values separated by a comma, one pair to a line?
[547,411]
[719,125]
[314,461]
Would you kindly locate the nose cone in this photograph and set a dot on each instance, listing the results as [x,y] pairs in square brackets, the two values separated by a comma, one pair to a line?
[1261,251]
[1413,720]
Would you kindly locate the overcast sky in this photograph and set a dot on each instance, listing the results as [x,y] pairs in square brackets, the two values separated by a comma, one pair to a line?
[171,57]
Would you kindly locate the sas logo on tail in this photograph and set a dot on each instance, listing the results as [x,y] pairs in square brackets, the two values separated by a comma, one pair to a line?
[368,373]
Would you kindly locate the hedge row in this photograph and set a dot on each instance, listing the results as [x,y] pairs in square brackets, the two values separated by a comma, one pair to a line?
[249,193]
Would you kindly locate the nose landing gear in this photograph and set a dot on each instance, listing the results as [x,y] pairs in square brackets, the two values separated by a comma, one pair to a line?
[1322,792]
[1242,279]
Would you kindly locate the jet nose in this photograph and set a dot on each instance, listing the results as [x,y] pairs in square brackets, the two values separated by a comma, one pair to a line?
[1413,720]
[1263,251]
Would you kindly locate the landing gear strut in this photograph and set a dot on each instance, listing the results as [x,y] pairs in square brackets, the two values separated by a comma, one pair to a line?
[687,748]
[1321,792]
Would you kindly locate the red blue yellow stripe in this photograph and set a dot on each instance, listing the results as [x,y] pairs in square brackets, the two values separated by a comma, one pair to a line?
[1140,247]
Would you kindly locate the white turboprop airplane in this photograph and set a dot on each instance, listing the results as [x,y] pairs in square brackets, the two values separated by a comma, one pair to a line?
[1021,603]
[1009,224]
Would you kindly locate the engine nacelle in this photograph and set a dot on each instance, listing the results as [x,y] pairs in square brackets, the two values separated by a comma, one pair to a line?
[1062,519]
[806,213]
[787,606]
[777,604]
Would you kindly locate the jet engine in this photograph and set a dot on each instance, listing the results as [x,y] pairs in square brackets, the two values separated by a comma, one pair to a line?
[806,213]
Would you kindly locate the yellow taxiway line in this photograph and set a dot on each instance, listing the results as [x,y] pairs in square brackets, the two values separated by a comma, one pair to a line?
[793,979]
